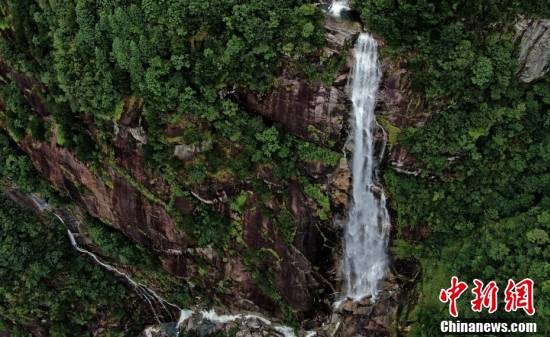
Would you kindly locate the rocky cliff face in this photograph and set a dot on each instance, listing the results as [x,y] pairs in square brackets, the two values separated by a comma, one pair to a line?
[313,110]
[399,108]
[116,198]
[126,194]
[534,49]
[109,198]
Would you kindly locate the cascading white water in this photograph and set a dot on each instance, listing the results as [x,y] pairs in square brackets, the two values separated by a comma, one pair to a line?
[148,294]
[337,7]
[367,228]
[152,297]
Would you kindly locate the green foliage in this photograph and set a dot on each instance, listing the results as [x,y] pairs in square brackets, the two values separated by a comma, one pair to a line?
[323,202]
[42,277]
[16,169]
[269,140]
[238,203]
[181,62]
[482,72]
[484,156]
[392,130]
[286,226]
[309,152]
[91,56]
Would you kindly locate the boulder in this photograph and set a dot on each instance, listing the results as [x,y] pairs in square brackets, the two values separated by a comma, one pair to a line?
[210,323]
[534,49]
[340,34]
[185,151]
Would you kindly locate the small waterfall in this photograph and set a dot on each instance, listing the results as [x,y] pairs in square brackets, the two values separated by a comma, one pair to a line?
[151,297]
[146,293]
[367,228]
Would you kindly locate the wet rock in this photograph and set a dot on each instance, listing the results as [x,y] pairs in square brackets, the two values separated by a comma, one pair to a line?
[340,183]
[340,34]
[307,237]
[534,49]
[210,323]
[368,317]
[348,306]
[362,311]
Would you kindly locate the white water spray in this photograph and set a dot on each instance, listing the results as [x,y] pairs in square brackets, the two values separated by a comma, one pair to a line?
[337,7]
[367,228]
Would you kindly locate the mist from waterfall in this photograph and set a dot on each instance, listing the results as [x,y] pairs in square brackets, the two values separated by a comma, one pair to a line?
[367,229]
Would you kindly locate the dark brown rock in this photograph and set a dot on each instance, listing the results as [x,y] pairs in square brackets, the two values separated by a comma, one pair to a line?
[311,110]
[294,277]
[307,238]
[121,205]
[340,184]
[183,205]
[400,107]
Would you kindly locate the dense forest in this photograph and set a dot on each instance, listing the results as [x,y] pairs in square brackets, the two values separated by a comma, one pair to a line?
[43,280]
[72,72]
[482,197]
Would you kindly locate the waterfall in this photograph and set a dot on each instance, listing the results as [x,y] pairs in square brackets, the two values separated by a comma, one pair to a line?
[336,7]
[146,293]
[367,229]
[151,297]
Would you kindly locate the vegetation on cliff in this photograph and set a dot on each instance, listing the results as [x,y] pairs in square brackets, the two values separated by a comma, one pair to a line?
[183,60]
[72,69]
[42,275]
[50,290]
[481,207]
